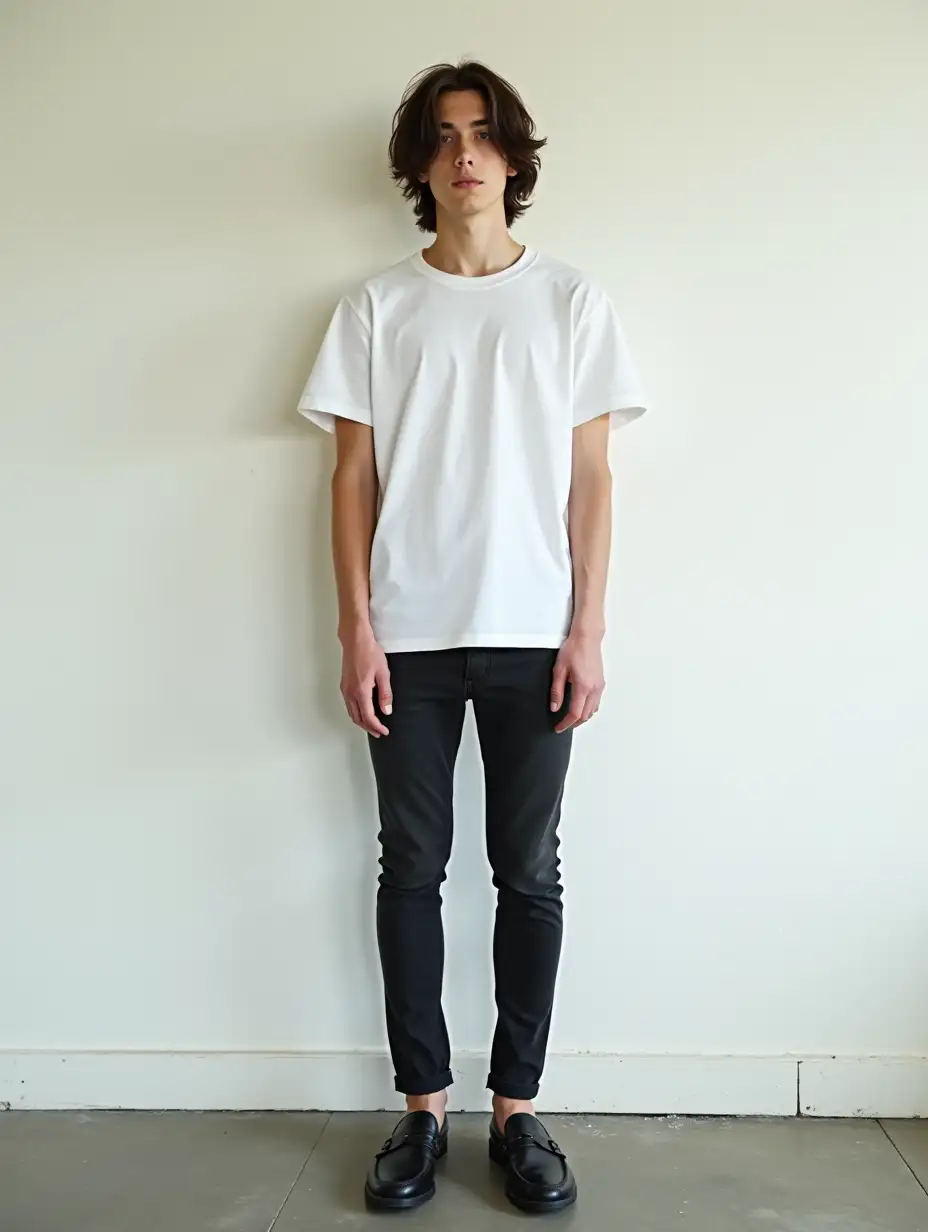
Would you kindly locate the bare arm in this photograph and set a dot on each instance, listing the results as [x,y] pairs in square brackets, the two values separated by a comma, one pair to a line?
[354,517]
[589,524]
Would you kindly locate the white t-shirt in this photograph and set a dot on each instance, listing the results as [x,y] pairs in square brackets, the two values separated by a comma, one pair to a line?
[473,386]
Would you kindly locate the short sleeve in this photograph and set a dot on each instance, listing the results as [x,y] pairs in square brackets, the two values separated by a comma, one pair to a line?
[339,384]
[605,378]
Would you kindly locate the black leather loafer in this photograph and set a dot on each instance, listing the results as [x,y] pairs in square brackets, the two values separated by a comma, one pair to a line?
[403,1172]
[538,1177]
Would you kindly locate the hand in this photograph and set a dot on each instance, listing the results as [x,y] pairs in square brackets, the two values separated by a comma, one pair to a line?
[364,667]
[580,661]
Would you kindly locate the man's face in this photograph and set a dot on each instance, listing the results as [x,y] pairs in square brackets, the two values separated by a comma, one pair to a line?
[465,155]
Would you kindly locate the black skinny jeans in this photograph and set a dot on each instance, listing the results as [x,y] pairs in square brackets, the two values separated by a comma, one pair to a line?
[525,766]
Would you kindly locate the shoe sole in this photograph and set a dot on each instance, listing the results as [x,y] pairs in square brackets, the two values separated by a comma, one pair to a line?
[379,1202]
[530,1205]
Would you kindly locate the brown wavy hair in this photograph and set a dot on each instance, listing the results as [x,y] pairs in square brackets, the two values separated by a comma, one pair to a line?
[414,141]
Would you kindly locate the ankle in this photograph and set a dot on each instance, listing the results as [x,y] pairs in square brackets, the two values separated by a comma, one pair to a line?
[504,1108]
[435,1102]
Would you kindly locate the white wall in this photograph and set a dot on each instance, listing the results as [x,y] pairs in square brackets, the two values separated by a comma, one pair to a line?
[188,828]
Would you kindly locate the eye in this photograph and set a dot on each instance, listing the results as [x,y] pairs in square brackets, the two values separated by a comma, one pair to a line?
[484,134]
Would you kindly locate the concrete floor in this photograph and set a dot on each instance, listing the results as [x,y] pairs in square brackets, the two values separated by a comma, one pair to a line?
[250,1171]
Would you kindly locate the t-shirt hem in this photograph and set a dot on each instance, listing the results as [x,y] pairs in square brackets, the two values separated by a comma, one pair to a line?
[521,641]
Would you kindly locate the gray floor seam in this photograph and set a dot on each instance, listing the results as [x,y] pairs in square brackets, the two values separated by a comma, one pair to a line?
[892,1143]
[300,1173]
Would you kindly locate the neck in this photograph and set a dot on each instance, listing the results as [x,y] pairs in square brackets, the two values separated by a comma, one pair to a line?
[472,248]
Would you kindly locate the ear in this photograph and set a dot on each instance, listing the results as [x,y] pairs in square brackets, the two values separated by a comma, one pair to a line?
[511,171]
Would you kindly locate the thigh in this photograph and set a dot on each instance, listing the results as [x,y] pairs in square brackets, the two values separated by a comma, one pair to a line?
[525,759]
[414,764]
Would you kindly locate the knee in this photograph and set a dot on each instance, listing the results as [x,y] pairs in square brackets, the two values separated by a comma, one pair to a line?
[532,874]
[411,873]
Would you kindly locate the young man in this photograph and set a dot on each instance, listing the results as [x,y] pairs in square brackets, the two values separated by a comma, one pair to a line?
[471,388]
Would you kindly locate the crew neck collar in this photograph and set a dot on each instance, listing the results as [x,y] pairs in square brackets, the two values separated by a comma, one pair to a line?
[464,282]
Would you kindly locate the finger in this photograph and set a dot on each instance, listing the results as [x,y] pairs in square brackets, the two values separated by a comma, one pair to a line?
[369,720]
[353,712]
[558,681]
[384,692]
[574,714]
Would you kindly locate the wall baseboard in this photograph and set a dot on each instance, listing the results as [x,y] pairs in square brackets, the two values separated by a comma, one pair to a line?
[642,1084]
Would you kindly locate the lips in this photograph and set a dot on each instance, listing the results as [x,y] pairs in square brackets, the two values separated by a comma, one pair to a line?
[466,183]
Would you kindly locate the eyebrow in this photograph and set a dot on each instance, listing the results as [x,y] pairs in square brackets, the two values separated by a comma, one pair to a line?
[473,123]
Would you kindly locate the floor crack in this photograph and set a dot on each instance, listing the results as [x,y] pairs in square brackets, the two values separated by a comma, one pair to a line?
[918,1180]
[299,1174]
